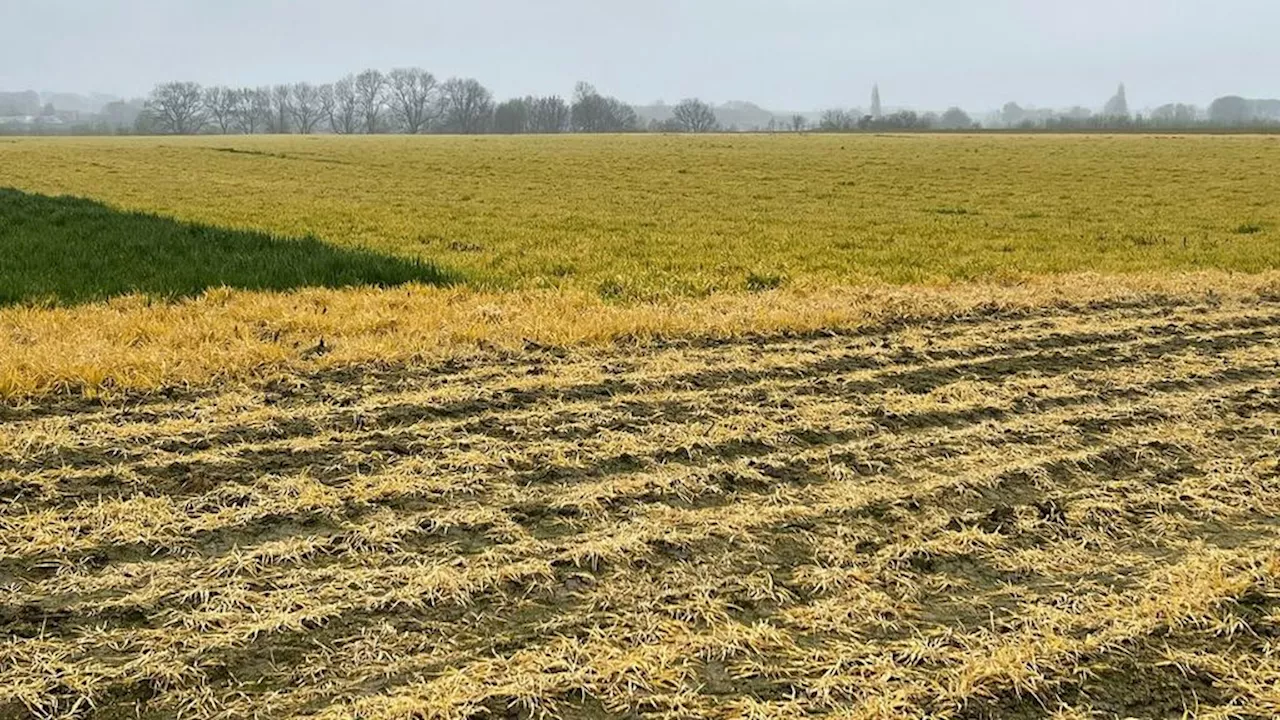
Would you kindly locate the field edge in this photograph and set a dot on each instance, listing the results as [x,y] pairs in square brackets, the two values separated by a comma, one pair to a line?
[133,345]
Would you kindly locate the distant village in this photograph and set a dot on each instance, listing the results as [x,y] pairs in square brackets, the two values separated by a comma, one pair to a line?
[34,112]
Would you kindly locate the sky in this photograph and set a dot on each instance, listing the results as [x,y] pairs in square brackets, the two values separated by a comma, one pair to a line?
[784,55]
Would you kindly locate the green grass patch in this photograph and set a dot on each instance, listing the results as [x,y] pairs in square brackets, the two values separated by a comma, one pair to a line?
[68,250]
[763,281]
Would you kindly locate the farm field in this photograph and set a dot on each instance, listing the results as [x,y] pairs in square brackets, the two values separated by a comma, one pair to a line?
[642,217]
[384,428]
[1046,513]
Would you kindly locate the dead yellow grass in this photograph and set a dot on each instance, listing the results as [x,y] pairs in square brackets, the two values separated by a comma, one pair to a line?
[131,344]
[1039,501]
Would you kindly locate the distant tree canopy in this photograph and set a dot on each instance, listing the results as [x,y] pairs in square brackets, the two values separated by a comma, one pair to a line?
[1225,112]
[837,120]
[548,115]
[1230,110]
[955,119]
[901,120]
[1175,115]
[1012,114]
[594,113]
[1234,110]
[512,117]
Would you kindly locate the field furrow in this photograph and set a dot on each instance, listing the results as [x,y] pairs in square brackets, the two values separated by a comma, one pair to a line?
[1015,513]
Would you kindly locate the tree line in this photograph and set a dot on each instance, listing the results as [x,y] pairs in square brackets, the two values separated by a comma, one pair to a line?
[412,100]
[837,120]
[404,100]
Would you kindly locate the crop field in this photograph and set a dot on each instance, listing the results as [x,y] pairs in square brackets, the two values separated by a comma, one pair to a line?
[441,428]
[1045,513]
[645,217]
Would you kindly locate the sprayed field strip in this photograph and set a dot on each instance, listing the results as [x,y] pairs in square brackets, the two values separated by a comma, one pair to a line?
[1032,514]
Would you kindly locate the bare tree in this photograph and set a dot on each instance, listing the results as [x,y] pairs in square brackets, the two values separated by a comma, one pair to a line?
[246,120]
[695,116]
[548,115]
[328,103]
[467,106]
[306,108]
[177,108]
[837,120]
[412,95]
[799,123]
[281,109]
[371,96]
[253,109]
[343,108]
[222,105]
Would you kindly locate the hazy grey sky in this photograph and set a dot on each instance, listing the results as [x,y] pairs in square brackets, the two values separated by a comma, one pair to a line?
[799,54]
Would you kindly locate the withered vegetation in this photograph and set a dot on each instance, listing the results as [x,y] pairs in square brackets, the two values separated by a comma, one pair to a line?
[1048,511]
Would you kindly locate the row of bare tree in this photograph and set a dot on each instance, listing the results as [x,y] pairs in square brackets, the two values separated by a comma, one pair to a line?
[405,100]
